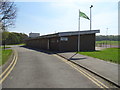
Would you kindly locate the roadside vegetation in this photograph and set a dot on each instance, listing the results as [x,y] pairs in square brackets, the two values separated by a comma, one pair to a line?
[5,47]
[12,38]
[108,54]
[103,40]
[19,44]
[5,54]
[108,37]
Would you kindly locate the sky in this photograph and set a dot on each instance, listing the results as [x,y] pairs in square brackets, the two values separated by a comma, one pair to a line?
[52,16]
[119,18]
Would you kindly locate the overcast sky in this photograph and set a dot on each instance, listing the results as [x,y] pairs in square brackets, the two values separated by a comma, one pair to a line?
[50,16]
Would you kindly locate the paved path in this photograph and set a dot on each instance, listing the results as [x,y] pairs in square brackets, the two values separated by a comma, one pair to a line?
[104,47]
[106,69]
[100,48]
[36,69]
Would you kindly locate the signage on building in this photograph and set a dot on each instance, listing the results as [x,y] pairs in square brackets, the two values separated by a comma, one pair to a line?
[64,39]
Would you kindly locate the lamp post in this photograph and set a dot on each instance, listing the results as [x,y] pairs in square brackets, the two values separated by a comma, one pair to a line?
[106,36]
[79,32]
[90,17]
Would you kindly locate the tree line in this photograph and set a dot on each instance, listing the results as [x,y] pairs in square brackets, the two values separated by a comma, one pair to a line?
[13,38]
[108,37]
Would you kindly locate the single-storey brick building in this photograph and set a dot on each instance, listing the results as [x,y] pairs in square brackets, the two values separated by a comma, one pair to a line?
[65,41]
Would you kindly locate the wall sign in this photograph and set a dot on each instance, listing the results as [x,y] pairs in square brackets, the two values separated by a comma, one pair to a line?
[64,39]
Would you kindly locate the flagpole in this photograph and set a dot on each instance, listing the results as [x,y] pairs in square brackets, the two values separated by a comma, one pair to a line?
[90,17]
[81,14]
[79,32]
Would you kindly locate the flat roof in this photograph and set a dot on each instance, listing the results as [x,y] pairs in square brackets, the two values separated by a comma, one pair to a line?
[78,32]
[70,33]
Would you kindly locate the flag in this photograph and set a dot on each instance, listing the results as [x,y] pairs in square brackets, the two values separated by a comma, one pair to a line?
[81,14]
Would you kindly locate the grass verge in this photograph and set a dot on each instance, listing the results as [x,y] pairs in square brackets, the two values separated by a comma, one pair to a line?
[109,54]
[18,44]
[5,54]
[5,47]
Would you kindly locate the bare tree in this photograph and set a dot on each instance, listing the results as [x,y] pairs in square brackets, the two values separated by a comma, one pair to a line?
[7,15]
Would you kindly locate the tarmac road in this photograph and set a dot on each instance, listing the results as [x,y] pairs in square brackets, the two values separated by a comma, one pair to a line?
[35,69]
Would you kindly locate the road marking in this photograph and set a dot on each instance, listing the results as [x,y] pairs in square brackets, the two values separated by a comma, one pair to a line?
[88,75]
[6,75]
[8,67]
[93,79]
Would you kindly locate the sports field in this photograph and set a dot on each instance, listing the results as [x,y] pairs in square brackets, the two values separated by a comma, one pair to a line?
[108,42]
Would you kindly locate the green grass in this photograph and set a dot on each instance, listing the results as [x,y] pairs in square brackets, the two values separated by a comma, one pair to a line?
[5,47]
[18,44]
[108,42]
[5,54]
[109,54]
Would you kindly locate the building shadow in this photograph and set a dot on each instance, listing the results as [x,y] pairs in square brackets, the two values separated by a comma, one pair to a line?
[73,58]
[45,51]
[76,58]
[39,50]
[54,52]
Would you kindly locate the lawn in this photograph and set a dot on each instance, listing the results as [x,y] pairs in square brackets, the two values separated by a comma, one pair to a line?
[108,42]
[109,54]
[4,55]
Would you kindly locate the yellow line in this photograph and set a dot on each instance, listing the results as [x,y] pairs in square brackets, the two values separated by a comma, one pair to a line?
[90,76]
[87,76]
[7,67]
[6,75]
[94,80]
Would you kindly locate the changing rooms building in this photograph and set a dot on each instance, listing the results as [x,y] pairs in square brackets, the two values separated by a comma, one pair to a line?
[65,41]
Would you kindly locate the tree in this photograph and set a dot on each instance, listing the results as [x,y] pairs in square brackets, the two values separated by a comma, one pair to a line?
[4,37]
[14,38]
[7,15]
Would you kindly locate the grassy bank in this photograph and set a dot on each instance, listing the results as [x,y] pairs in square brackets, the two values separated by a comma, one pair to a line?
[109,54]
[5,54]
